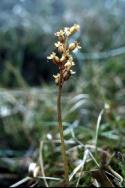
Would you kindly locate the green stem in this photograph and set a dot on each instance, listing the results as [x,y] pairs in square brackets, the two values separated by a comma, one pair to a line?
[63,150]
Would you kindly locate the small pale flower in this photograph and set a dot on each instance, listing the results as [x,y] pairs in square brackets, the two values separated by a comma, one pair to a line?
[65,57]
[60,46]
[54,58]
[57,78]
[59,33]
[67,31]
[71,60]
[72,72]
[52,55]
[69,64]
[74,46]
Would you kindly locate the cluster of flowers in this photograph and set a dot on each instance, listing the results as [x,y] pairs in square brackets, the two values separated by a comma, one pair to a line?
[64,60]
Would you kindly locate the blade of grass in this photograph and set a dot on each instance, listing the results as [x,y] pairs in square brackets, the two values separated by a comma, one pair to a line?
[41,162]
[21,182]
[79,166]
[85,156]
[50,178]
[97,128]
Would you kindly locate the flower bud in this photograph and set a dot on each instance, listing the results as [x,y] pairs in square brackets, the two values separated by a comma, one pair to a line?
[60,46]
[69,63]
[72,46]
[67,31]
[72,72]
[74,28]
[63,58]
[61,49]
[60,35]
[56,59]
[57,78]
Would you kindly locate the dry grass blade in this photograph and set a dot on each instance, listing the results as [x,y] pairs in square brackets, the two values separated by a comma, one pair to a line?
[86,154]
[93,158]
[24,180]
[49,178]
[117,176]
[81,165]
[97,126]
[41,163]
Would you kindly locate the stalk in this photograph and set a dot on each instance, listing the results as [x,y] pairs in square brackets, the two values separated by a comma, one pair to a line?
[65,62]
[61,131]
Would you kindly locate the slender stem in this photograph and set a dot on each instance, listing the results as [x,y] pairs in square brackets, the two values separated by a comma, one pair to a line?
[63,150]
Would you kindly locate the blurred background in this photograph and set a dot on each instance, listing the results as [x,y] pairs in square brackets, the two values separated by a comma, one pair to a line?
[27,89]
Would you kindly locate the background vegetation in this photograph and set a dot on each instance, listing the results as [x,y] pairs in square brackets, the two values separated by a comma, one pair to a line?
[28,95]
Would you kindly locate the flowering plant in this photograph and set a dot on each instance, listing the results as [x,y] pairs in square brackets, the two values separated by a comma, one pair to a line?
[65,62]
